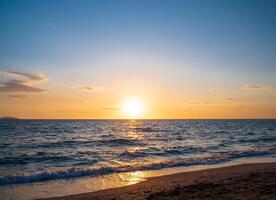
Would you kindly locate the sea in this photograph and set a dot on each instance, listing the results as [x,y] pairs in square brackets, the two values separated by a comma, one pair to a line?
[42,158]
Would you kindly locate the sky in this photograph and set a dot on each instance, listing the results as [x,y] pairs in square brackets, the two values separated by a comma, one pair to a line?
[180,59]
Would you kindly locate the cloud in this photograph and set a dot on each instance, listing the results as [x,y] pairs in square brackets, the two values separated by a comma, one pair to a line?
[18,86]
[90,88]
[230,99]
[254,87]
[22,84]
[28,77]
[86,88]
[18,96]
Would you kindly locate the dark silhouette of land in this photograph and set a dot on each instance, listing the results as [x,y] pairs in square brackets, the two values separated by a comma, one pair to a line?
[9,118]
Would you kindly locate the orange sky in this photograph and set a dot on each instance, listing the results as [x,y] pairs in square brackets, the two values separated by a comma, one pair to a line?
[65,101]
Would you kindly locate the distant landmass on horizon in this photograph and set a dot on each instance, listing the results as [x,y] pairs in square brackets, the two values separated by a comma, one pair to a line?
[9,118]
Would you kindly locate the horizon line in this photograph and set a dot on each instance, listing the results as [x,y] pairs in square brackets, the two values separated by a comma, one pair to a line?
[87,119]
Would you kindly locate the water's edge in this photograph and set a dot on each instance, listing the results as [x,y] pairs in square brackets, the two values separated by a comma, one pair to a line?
[94,172]
[65,187]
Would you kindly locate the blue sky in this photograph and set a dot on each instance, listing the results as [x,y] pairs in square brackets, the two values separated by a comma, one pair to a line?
[184,45]
[52,31]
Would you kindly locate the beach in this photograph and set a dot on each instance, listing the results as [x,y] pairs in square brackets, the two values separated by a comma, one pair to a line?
[247,181]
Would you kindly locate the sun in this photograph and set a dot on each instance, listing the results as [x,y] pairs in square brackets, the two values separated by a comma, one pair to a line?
[133,108]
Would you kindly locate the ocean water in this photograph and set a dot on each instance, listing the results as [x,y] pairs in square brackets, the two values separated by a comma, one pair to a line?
[34,151]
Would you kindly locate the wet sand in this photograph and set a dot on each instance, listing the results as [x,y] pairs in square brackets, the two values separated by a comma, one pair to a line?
[247,181]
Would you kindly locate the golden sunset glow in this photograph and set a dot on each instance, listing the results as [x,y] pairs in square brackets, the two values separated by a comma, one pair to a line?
[133,108]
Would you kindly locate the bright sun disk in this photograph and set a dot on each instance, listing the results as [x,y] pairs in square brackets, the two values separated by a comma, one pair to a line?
[133,108]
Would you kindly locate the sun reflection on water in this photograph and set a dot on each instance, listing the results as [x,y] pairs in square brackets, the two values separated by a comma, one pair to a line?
[130,130]
[132,177]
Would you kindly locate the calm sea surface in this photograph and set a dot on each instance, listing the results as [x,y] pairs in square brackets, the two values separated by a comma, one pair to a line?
[40,150]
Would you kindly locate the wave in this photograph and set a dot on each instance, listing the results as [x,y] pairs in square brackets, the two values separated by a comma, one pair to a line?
[71,143]
[93,172]
[25,159]
[120,142]
[148,129]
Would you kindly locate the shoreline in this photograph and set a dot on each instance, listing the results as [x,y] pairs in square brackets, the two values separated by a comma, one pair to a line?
[245,181]
[83,185]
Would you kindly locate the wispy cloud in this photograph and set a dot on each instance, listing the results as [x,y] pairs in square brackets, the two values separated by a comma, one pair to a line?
[230,99]
[18,96]
[90,88]
[28,77]
[86,88]
[254,87]
[23,84]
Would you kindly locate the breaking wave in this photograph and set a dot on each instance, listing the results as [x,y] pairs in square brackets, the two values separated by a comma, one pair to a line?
[93,172]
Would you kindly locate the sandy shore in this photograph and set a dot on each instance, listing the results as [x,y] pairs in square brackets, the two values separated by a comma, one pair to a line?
[248,181]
